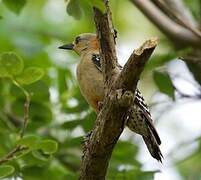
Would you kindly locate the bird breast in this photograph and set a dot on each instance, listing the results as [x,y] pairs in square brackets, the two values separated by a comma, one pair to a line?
[90,81]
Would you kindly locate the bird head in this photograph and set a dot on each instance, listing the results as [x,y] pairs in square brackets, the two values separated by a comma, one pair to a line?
[83,43]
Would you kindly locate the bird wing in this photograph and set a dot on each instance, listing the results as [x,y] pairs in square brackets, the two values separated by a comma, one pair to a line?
[96,59]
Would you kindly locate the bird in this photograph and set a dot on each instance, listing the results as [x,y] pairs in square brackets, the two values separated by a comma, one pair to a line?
[91,83]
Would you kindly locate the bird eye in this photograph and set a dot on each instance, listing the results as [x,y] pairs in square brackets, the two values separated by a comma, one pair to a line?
[77,39]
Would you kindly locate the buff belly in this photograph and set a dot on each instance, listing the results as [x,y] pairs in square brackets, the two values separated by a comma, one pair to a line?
[90,81]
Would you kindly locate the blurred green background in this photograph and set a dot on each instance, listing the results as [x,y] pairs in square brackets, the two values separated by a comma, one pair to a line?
[34,29]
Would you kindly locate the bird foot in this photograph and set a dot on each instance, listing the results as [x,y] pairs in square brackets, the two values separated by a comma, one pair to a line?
[115,35]
[100,105]
[86,141]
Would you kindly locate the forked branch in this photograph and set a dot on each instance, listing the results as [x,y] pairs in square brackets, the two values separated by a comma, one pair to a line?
[120,90]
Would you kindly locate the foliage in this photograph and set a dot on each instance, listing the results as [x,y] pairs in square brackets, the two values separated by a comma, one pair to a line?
[164,83]
[13,6]
[6,170]
[51,146]
[74,9]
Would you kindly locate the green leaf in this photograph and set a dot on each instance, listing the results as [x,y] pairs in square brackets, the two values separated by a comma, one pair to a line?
[6,170]
[164,83]
[98,4]
[29,141]
[73,9]
[3,72]
[40,155]
[30,75]
[10,65]
[48,146]
[14,6]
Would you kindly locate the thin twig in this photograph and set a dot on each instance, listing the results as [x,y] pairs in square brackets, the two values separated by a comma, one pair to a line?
[18,149]
[26,108]
[26,115]
[12,154]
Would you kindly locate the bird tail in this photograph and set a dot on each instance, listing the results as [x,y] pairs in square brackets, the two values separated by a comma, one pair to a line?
[153,146]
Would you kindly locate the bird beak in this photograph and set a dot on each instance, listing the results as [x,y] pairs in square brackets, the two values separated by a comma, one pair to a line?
[67,46]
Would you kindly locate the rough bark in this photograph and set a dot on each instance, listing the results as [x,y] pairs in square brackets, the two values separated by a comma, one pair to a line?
[106,36]
[120,90]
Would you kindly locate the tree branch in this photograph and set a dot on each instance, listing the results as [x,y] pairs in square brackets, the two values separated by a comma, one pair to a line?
[180,9]
[129,76]
[26,107]
[19,149]
[12,154]
[179,35]
[119,96]
[175,10]
[106,34]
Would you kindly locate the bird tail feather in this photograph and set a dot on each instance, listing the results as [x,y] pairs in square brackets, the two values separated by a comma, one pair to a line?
[153,147]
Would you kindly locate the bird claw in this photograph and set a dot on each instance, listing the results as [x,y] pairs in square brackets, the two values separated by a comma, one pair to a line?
[115,35]
[85,142]
[87,136]
[100,105]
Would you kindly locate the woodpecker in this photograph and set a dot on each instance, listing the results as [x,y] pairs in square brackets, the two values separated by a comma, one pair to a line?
[90,79]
